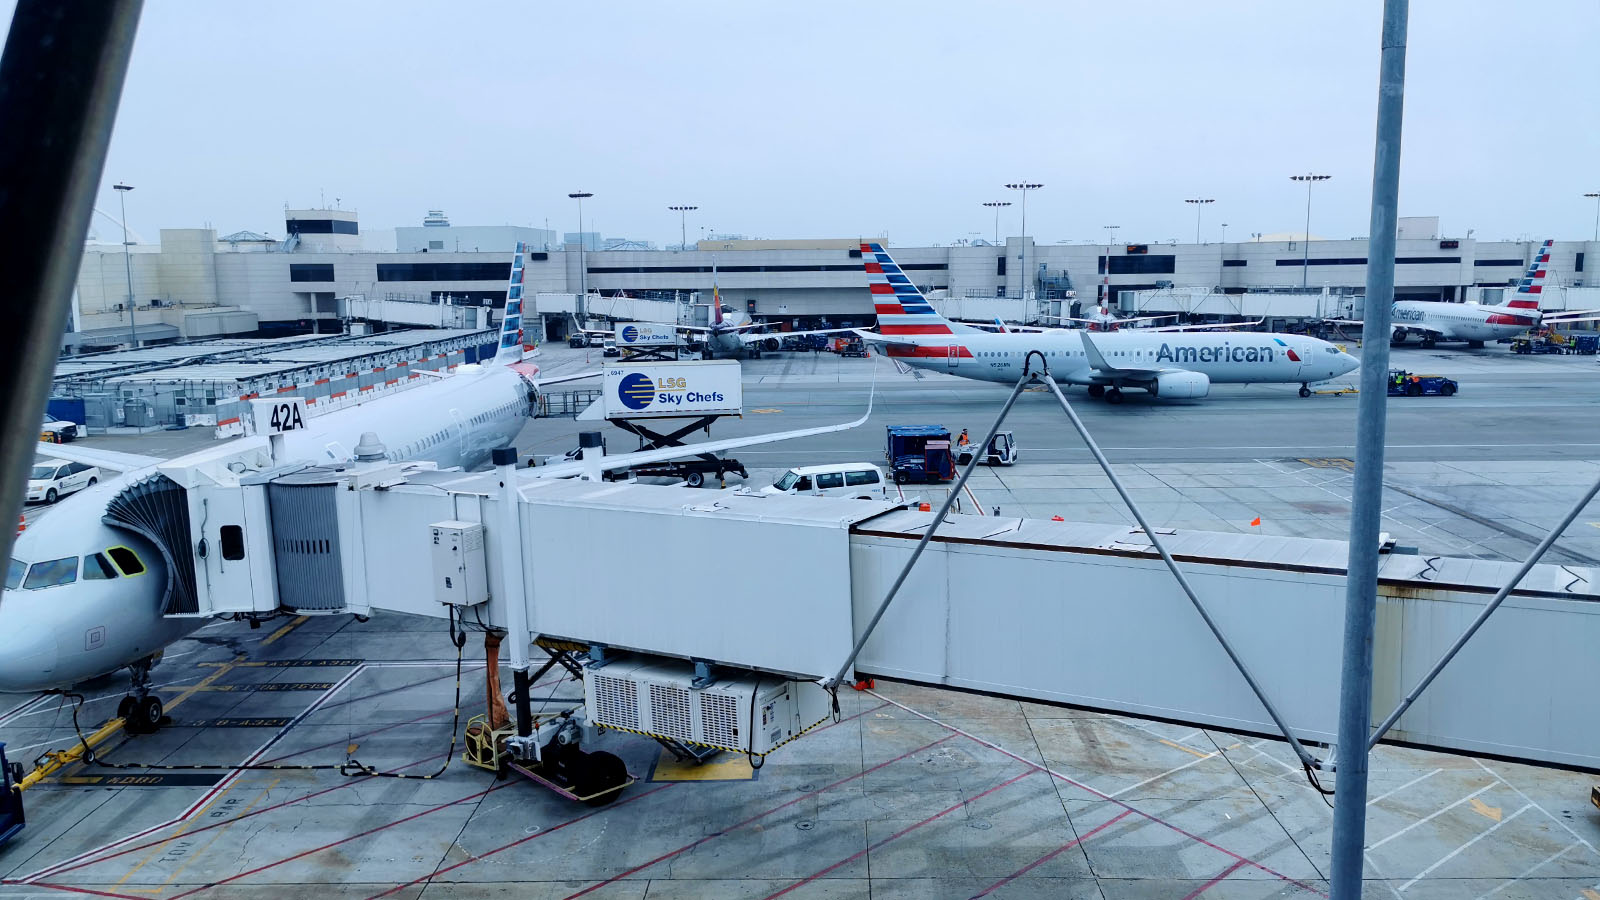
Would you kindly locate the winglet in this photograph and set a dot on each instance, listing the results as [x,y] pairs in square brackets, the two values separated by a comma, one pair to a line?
[510,350]
[1093,352]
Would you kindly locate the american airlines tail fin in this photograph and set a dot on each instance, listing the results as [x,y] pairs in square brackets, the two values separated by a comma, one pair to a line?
[510,350]
[901,308]
[1532,283]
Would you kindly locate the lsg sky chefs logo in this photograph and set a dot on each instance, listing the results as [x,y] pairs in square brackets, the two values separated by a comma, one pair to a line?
[638,391]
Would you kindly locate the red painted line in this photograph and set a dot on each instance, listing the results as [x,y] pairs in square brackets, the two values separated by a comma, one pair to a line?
[352,782]
[1049,856]
[344,840]
[898,834]
[520,841]
[761,815]
[1213,882]
[320,381]
[1108,798]
[229,421]
[79,890]
[284,390]
[337,394]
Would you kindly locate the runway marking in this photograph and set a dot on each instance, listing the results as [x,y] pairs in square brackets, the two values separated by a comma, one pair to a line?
[1052,854]
[1402,787]
[1432,816]
[1535,867]
[1177,746]
[296,623]
[1453,853]
[1214,881]
[1108,797]
[1548,815]
[158,849]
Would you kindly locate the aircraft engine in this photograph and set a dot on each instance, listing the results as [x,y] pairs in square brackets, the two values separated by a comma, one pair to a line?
[1181,385]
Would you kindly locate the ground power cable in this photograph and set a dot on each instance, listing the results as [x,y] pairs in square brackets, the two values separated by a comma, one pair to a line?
[352,767]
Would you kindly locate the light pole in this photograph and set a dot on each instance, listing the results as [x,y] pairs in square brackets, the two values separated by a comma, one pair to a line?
[683,232]
[583,267]
[1224,238]
[1199,204]
[127,260]
[1305,257]
[1105,270]
[997,205]
[1596,198]
[1024,187]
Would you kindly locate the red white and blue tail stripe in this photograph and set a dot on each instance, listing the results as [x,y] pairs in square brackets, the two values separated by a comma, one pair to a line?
[510,349]
[1532,283]
[901,308]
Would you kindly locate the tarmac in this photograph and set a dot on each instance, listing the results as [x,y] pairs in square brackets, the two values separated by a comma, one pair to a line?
[915,792]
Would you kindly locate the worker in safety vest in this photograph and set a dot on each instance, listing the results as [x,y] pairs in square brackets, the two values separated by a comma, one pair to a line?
[963,440]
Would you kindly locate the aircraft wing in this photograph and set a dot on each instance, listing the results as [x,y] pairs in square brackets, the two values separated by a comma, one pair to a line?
[1106,372]
[664,454]
[779,335]
[891,340]
[1213,325]
[541,381]
[105,459]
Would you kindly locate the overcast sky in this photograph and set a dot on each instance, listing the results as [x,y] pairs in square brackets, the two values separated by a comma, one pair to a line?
[797,120]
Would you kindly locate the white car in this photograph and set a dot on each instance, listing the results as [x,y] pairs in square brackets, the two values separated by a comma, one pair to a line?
[859,481]
[57,431]
[52,479]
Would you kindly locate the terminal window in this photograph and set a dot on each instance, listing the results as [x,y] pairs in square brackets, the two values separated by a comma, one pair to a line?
[311,272]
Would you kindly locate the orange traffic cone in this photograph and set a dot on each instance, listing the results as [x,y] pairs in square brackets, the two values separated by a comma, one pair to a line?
[1256,522]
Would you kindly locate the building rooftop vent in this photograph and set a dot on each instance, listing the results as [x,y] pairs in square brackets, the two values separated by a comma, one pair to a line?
[247,237]
[435,219]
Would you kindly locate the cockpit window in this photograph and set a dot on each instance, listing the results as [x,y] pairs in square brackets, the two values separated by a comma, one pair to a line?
[126,560]
[787,481]
[1330,349]
[14,573]
[98,568]
[51,573]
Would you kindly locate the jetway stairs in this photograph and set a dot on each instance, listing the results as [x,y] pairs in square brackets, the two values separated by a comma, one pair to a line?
[1065,612]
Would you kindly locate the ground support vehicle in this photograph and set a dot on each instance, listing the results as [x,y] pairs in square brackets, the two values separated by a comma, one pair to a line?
[919,453]
[1002,451]
[1407,384]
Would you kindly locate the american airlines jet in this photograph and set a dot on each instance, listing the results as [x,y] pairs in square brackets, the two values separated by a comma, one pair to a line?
[1434,321]
[1167,364]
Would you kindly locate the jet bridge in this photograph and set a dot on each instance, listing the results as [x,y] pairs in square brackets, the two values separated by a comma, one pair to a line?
[669,590]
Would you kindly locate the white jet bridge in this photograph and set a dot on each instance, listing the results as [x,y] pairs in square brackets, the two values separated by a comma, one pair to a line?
[712,619]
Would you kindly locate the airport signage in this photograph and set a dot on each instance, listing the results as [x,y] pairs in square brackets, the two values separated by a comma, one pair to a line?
[279,416]
[666,389]
[646,334]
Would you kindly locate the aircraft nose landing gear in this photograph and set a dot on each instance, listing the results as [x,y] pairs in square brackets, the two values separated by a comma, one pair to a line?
[1305,390]
[141,711]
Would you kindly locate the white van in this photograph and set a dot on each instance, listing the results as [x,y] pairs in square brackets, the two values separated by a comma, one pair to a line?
[52,479]
[858,481]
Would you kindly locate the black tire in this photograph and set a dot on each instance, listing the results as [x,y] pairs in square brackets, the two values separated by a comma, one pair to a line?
[1413,389]
[125,708]
[695,479]
[145,715]
[597,772]
[901,477]
[1114,396]
[51,496]
[93,482]
[1447,389]
[1097,390]
[1305,391]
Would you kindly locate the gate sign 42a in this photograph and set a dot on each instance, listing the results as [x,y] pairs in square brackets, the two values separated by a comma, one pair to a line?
[279,415]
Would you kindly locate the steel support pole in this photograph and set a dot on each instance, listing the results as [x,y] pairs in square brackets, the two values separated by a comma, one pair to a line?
[513,594]
[60,81]
[1361,581]
[127,262]
[1305,242]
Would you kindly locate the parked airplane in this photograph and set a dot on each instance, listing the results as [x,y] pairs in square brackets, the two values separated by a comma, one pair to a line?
[1167,365]
[84,597]
[1434,321]
[1102,319]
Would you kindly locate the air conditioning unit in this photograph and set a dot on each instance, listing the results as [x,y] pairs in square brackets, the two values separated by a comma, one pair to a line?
[750,713]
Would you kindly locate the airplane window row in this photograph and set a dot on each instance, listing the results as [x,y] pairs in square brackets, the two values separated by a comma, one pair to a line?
[57,572]
[1016,353]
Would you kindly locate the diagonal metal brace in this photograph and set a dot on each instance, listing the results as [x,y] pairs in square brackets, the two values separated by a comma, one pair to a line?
[1172,566]
[1504,592]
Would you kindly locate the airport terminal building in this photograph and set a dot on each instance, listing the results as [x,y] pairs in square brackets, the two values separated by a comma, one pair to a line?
[197,285]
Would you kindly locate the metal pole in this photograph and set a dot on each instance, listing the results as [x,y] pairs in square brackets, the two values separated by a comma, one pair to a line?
[1177,573]
[838,677]
[1197,223]
[997,221]
[127,260]
[1361,580]
[1483,616]
[583,265]
[63,70]
[1305,241]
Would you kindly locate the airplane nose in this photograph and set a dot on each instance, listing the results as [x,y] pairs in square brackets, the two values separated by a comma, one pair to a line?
[28,655]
